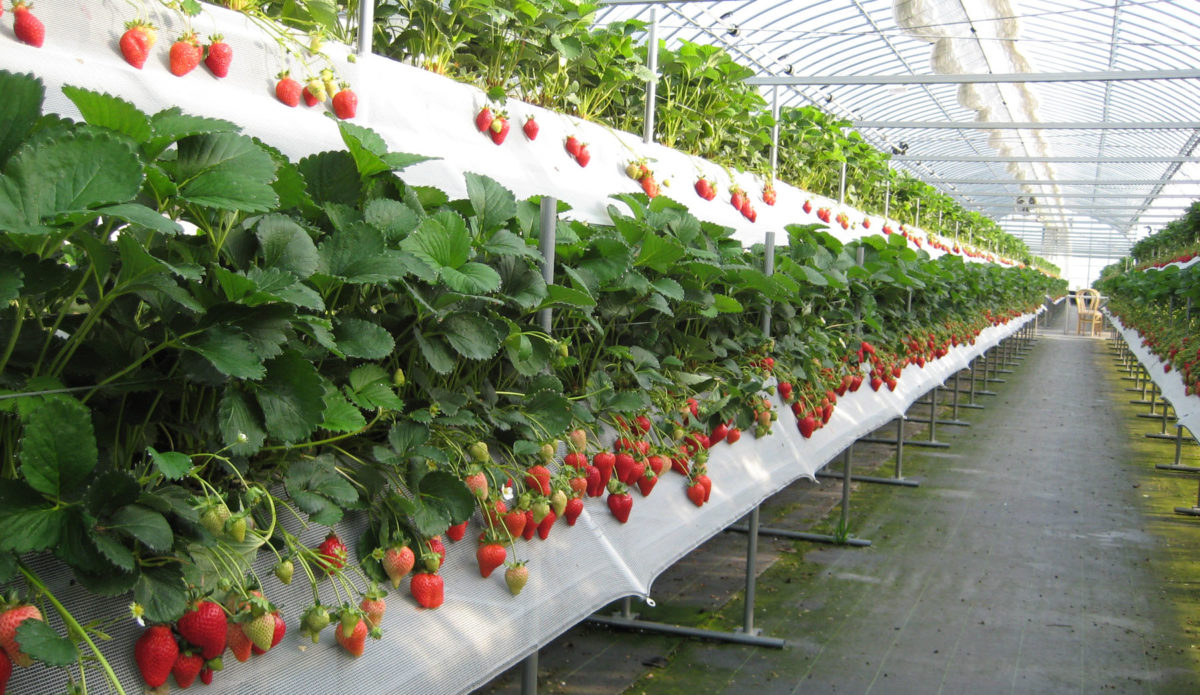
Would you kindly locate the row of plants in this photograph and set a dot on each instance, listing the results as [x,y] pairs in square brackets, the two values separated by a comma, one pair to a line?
[1177,242]
[206,348]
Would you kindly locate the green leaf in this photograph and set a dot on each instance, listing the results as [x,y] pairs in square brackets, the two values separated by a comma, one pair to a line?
[319,489]
[340,414]
[441,241]
[171,125]
[447,491]
[393,218]
[814,277]
[226,171]
[557,294]
[522,284]
[726,304]
[108,111]
[363,339]
[669,288]
[161,592]
[493,203]
[472,335]
[550,410]
[471,278]
[58,449]
[229,349]
[358,255]
[8,567]
[286,246]
[658,253]
[405,436]
[71,172]
[172,464]
[435,352]
[291,397]
[135,213]
[19,110]
[40,641]
[113,549]
[374,394]
[240,423]
[26,523]
[505,243]
[144,524]
[332,177]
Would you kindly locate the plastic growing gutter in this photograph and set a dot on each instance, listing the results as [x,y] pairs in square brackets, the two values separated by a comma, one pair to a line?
[1187,408]
[482,630]
[412,109]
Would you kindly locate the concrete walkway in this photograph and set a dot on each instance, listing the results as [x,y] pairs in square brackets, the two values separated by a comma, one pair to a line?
[1022,564]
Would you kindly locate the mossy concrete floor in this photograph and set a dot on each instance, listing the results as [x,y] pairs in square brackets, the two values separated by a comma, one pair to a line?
[1039,555]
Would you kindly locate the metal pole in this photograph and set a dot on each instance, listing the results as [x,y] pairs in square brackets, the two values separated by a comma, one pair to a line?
[842,187]
[899,448]
[918,222]
[549,224]
[775,133]
[652,83]
[933,414]
[768,269]
[366,26]
[751,575]
[529,669]
[887,199]
[845,523]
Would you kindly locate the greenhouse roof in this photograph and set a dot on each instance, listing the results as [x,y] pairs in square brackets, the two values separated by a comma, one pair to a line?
[1096,147]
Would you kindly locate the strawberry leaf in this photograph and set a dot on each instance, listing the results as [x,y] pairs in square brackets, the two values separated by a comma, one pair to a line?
[550,410]
[494,204]
[144,524]
[108,111]
[226,171]
[19,110]
[160,591]
[58,447]
[472,335]
[172,464]
[8,567]
[240,423]
[229,350]
[40,641]
[319,489]
[363,339]
[358,255]
[340,415]
[435,352]
[284,245]
[291,397]
[26,523]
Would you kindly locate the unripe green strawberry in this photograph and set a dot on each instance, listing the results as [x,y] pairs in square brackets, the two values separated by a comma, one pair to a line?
[398,378]
[260,630]
[214,517]
[516,576]
[315,619]
[578,440]
[284,570]
[558,501]
[546,453]
[540,509]
[479,452]
[235,527]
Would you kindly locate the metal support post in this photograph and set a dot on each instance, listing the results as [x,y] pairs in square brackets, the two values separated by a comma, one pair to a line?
[1162,433]
[529,674]
[366,26]
[971,404]
[652,83]
[700,633]
[775,133]
[899,448]
[549,224]
[844,522]
[842,186]
[887,200]
[1191,511]
[989,368]
[898,478]
[1177,466]
[751,574]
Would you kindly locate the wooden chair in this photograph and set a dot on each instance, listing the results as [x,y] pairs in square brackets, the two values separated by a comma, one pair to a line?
[1087,303]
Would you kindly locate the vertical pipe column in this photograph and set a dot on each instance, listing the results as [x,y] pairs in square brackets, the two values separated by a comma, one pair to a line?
[529,668]
[955,415]
[918,222]
[652,83]
[933,413]
[899,447]
[887,200]
[842,187]
[549,223]
[845,523]
[366,26]
[774,133]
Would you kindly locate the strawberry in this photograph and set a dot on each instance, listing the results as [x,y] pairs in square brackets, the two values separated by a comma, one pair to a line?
[737,198]
[206,676]
[634,171]
[866,223]
[204,627]
[573,510]
[398,561]
[734,435]
[537,477]
[876,383]
[260,630]
[806,426]
[483,122]
[155,653]
[239,643]
[277,634]
[427,589]
[693,407]
[498,131]
[6,663]
[490,555]
[186,667]
[650,187]
[855,382]
[620,503]
[374,604]
[695,493]
[604,461]
[576,459]
[707,483]
[558,502]
[531,524]
[807,207]
[354,638]
[332,553]
[572,144]
[457,531]
[435,544]
[544,526]
[703,187]
[584,156]
[578,441]
[220,55]
[624,466]
[647,482]
[595,482]
[9,621]
[514,521]
[135,42]
[718,433]
[530,128]
[313,92]
[185,54]
[284,570]
[29,29]
[785,391]
[345,103]
[214,517]
[768,194]
[516,576]
[477,484]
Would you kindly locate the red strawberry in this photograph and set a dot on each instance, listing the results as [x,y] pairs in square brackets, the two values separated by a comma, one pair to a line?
[693,407]
[584,156]
[734,435]
[314,91]
[531,524]
[680,464]
[750,214]
[332,552]
[239,643]
[866,223]
[220,55]
[206,676]
[490,556]
[604,461]
[572,144]
[537,477]
[530,128]
[155,653]
[353,640]
[650,187]
[785,391]
[737,198]
[806,425]
[437,546]
[642,424]
[29,29]
[544,526]
[374,605]
[703,188]
[807,206]
[620,503]
[718,433]
[345,103]
[287,90]
[647,481]
[514,521]
[695,493]
[398,561]
[204,627]
[457,531]
[707,483]
[9,621]
[5,670]
[855,382]
[135,43]
[186,667]
[499,130]
[483,119]
[595,486]
[185,54]
[624,464]
[876,383]
[768,195]
[427,589]
[573,510]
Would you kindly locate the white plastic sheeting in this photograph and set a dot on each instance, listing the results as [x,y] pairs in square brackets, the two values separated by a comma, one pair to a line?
[413,110]
[1187,408]
[482,630]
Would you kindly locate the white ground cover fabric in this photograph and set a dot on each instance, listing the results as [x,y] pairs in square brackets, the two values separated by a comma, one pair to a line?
[1187,408]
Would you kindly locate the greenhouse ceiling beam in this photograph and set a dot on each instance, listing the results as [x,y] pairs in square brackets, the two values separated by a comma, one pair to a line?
[1032,125]
[1065,182]
[987,159]
[981,78]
